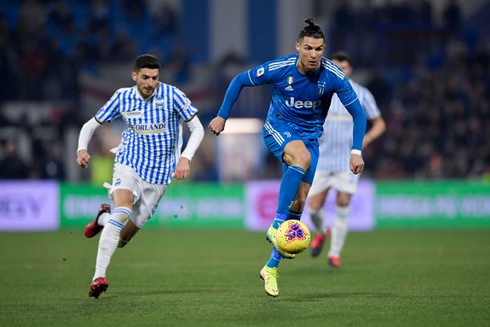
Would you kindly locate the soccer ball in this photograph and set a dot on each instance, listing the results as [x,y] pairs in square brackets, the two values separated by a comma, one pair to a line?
[293,236]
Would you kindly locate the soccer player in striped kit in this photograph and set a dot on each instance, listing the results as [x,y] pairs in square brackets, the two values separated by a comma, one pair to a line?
[333,165]
[303,87]
[147,159]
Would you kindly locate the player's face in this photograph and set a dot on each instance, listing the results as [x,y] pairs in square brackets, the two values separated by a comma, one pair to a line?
[344,66]
[310,54]
[146,80]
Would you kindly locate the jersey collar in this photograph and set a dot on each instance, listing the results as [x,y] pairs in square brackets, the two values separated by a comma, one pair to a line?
[138,94]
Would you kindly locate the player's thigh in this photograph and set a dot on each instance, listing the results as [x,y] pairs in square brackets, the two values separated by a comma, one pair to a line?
[147,205]
[346,182]
[296,153]
[123,198]
[322,182]
[277,135]
[124,189]
[316,202]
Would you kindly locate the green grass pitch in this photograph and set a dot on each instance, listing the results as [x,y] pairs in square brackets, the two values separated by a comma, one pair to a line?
[211,278]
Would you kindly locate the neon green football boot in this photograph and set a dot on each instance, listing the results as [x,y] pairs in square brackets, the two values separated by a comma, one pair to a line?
[270,276]
[271,237]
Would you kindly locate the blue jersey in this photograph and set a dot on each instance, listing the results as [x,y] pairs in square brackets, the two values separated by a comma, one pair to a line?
[152,142]
[302,100]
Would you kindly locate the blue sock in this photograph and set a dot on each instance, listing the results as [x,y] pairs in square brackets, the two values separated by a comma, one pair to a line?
[280,218]
[274,260]
[294,215]
[289,188]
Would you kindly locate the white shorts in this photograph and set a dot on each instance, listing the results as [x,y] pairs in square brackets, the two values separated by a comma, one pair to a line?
[145,195]
[342,181]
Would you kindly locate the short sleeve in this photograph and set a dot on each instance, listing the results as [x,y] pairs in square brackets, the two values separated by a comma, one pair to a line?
[183,105]
[259,75]
[111,110]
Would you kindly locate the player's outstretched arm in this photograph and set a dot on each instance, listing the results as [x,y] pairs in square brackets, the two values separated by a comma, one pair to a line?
[217,125]
[88,129]
[183,168]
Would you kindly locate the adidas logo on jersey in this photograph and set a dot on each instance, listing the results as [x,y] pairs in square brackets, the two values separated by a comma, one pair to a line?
[289,88]
[302,104]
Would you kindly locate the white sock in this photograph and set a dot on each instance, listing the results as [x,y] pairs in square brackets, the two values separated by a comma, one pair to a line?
[109,239]
[317,217]
[339,230]
[103,218]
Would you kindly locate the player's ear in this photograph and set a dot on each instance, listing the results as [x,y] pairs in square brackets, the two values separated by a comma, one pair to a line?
[134,75]
[297,45]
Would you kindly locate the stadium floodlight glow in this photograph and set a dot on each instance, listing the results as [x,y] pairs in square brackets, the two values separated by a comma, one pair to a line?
[243,126]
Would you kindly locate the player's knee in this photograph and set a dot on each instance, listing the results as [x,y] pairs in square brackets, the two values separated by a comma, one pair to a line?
[121,214]
[343,200]
[303,160]
[315,203]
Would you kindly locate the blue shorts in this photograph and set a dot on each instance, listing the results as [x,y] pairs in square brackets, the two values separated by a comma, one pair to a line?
[277,134]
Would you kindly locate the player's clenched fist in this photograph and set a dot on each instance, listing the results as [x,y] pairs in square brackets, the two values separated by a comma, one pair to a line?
[183,168]
[83,158]
[217,125]
[356,163]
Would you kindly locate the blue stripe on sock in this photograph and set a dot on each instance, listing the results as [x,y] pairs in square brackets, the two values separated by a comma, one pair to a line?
[280,218]
[274,259]
[116,223]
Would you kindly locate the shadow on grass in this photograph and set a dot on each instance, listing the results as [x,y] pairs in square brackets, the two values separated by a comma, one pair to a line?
[165,292]
[329,295]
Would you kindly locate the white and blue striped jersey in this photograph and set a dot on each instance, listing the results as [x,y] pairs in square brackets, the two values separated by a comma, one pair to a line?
[336,141]
[152,142]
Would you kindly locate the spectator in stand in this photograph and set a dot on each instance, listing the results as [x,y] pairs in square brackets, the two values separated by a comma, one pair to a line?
[12,166]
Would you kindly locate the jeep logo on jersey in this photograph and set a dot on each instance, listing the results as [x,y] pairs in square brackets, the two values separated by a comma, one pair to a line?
[150,128]
[302,104]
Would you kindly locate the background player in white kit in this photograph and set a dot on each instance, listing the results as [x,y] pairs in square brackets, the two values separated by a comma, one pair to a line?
[333,165]
[146,160]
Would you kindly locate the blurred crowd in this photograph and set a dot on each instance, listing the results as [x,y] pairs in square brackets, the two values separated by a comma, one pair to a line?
[436,121]
[45,43]
[430,75]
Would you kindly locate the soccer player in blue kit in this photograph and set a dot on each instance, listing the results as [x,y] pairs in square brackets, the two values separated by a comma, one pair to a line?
[303,87]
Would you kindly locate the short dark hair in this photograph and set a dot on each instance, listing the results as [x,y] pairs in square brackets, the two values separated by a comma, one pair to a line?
[146,61]
[311,30]
[341,56]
